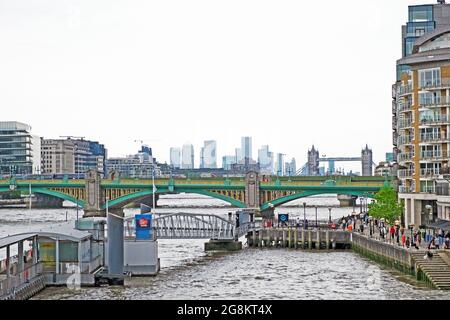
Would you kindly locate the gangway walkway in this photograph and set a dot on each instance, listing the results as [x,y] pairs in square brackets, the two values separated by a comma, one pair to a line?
[194,226]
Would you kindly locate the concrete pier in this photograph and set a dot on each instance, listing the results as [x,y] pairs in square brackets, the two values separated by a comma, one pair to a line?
[223,245]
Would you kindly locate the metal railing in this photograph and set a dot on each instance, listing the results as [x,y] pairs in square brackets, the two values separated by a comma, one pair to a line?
[405,89]
[406,156]
[435,120]
[405,139]
[404,124]
[405,173]
[429,172]
[405,189]
[436,84]
[433,155]
[8,285]
[435,102]
[434,137]
[404,106]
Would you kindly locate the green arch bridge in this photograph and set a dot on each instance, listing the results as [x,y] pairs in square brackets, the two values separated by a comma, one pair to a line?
[252,191]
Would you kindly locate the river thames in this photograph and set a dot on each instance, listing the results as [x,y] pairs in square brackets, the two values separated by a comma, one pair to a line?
[187,272]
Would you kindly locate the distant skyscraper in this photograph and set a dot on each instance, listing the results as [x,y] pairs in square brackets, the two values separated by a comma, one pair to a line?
[265,160]
[228,162]
[208,158]
[246,148]
[238,155]
[280,164]
[175,157]
[290,168]
[187,161]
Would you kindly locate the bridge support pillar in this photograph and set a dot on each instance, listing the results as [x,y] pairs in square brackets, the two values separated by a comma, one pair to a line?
[346,200]
[94,195]
[252,190]
[223,245]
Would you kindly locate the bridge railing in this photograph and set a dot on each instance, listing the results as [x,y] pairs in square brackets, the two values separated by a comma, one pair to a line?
[186,226]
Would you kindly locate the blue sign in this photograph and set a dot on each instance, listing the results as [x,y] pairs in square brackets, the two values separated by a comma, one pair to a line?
[283,217]
[143,226]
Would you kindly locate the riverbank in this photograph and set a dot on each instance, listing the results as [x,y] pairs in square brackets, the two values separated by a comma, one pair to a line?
[434,271]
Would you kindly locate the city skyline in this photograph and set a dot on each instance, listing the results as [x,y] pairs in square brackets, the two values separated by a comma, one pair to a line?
[255,86]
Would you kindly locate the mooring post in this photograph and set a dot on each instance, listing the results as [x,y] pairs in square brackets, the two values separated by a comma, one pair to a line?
[309,239]
[318,240]
[289,238]
[327,239]
[284,239]
[254,238]
[260,238]
[303,238]
[295,238]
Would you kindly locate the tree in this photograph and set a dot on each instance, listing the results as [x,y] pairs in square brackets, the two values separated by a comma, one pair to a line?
[386,205]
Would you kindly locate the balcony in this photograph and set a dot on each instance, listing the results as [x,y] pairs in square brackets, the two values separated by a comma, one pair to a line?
[404,124]
[433,155]
[404,106]
[405,89]
[405,156]
[405,173]
[429,173]
[444,119]
[438,102]
[405,139]
[443,83]
[434,138]
[405,189]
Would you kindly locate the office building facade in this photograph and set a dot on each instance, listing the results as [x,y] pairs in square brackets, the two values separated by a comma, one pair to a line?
[208,155]
[187,157]
[19,149]
[175,157]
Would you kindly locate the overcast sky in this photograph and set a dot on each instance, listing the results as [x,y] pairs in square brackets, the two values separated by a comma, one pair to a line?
[288,73]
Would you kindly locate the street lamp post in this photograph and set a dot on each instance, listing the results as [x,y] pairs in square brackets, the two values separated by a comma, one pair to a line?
[329,214]
[77,208]
[304,215]
[360,204]
[316,217]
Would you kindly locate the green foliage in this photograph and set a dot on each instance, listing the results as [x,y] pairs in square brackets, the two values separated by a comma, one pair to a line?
[386,205]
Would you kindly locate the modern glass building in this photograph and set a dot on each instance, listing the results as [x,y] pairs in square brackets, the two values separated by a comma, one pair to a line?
[246,147]
[265,160]
[175,157]
[19,149]
[208,155]
[421,109]
[187,157]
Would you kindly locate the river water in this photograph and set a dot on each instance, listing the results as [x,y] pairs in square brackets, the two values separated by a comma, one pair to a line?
[187,272]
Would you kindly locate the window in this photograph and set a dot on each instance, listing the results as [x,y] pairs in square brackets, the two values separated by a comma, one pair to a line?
[409,43]
[421,13]
[429,78]
[440,42]
[429,98]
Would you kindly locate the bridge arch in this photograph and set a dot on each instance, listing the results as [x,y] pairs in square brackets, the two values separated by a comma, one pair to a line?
[55,194]
[123,200]
[282,200]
